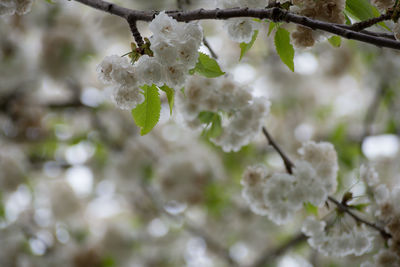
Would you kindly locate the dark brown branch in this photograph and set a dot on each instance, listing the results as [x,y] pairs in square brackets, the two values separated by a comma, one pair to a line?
[135,32]
[380,34]
[370,22]
[346,209]
[275,14]
[270,255]
[289,165]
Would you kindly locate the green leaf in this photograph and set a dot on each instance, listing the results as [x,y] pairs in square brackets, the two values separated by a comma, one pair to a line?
[2,208]
[272,25]
[170,96]
[206,116]
[348,20]
[108,262]
[246,46]
[284,48]
[362,10]
[213,121]
[207,67]
[335,41]
[360,207]
[216,127]
[311,209]
[359,9]
[147,114]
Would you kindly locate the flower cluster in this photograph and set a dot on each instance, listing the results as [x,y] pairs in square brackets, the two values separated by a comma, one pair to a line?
[241,29]
[175,47]
[10,7]
[330,11]
[339,242]
[280,195]
[387,211]
[383,5]
[385,258]
[243,113]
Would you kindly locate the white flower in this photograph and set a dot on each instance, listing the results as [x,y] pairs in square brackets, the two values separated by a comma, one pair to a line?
[246,113]
[369,175]
[164,50]
[357,240]
[166,27]
[150,71]
[175,75]
[10,7]
[127,97]
[7,7]
[313,227]
[255,199]
[322,156]
[116,69]
[276,196]
[240,29]
[193,30]
[187,52]
[382,5]
[381,194]
[309,186]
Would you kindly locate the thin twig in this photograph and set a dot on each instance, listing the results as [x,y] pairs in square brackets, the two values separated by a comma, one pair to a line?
[289,165]
[344,208]
[275,14]
[372,111]
[270,255]
[370,22]
[207,44]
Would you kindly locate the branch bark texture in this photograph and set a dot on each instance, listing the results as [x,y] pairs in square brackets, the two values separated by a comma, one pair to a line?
[275,14]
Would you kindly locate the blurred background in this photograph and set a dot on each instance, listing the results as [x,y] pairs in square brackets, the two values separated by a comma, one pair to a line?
[80,187]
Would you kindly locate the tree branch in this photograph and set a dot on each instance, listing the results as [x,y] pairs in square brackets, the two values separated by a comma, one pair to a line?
[275,14]
[270,255]
[370,22]
[346,209]
[289,165]
[135,32]
[340,206]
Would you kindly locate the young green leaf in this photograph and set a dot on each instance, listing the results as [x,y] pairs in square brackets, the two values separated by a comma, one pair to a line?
[147,114]
[216,127]
[206,116]
[359,9]
[244,47]
[213,120]
[207,67]
[335,41]
[284,48]
[170,96]
[311,209]
[271,26]
[362,10]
